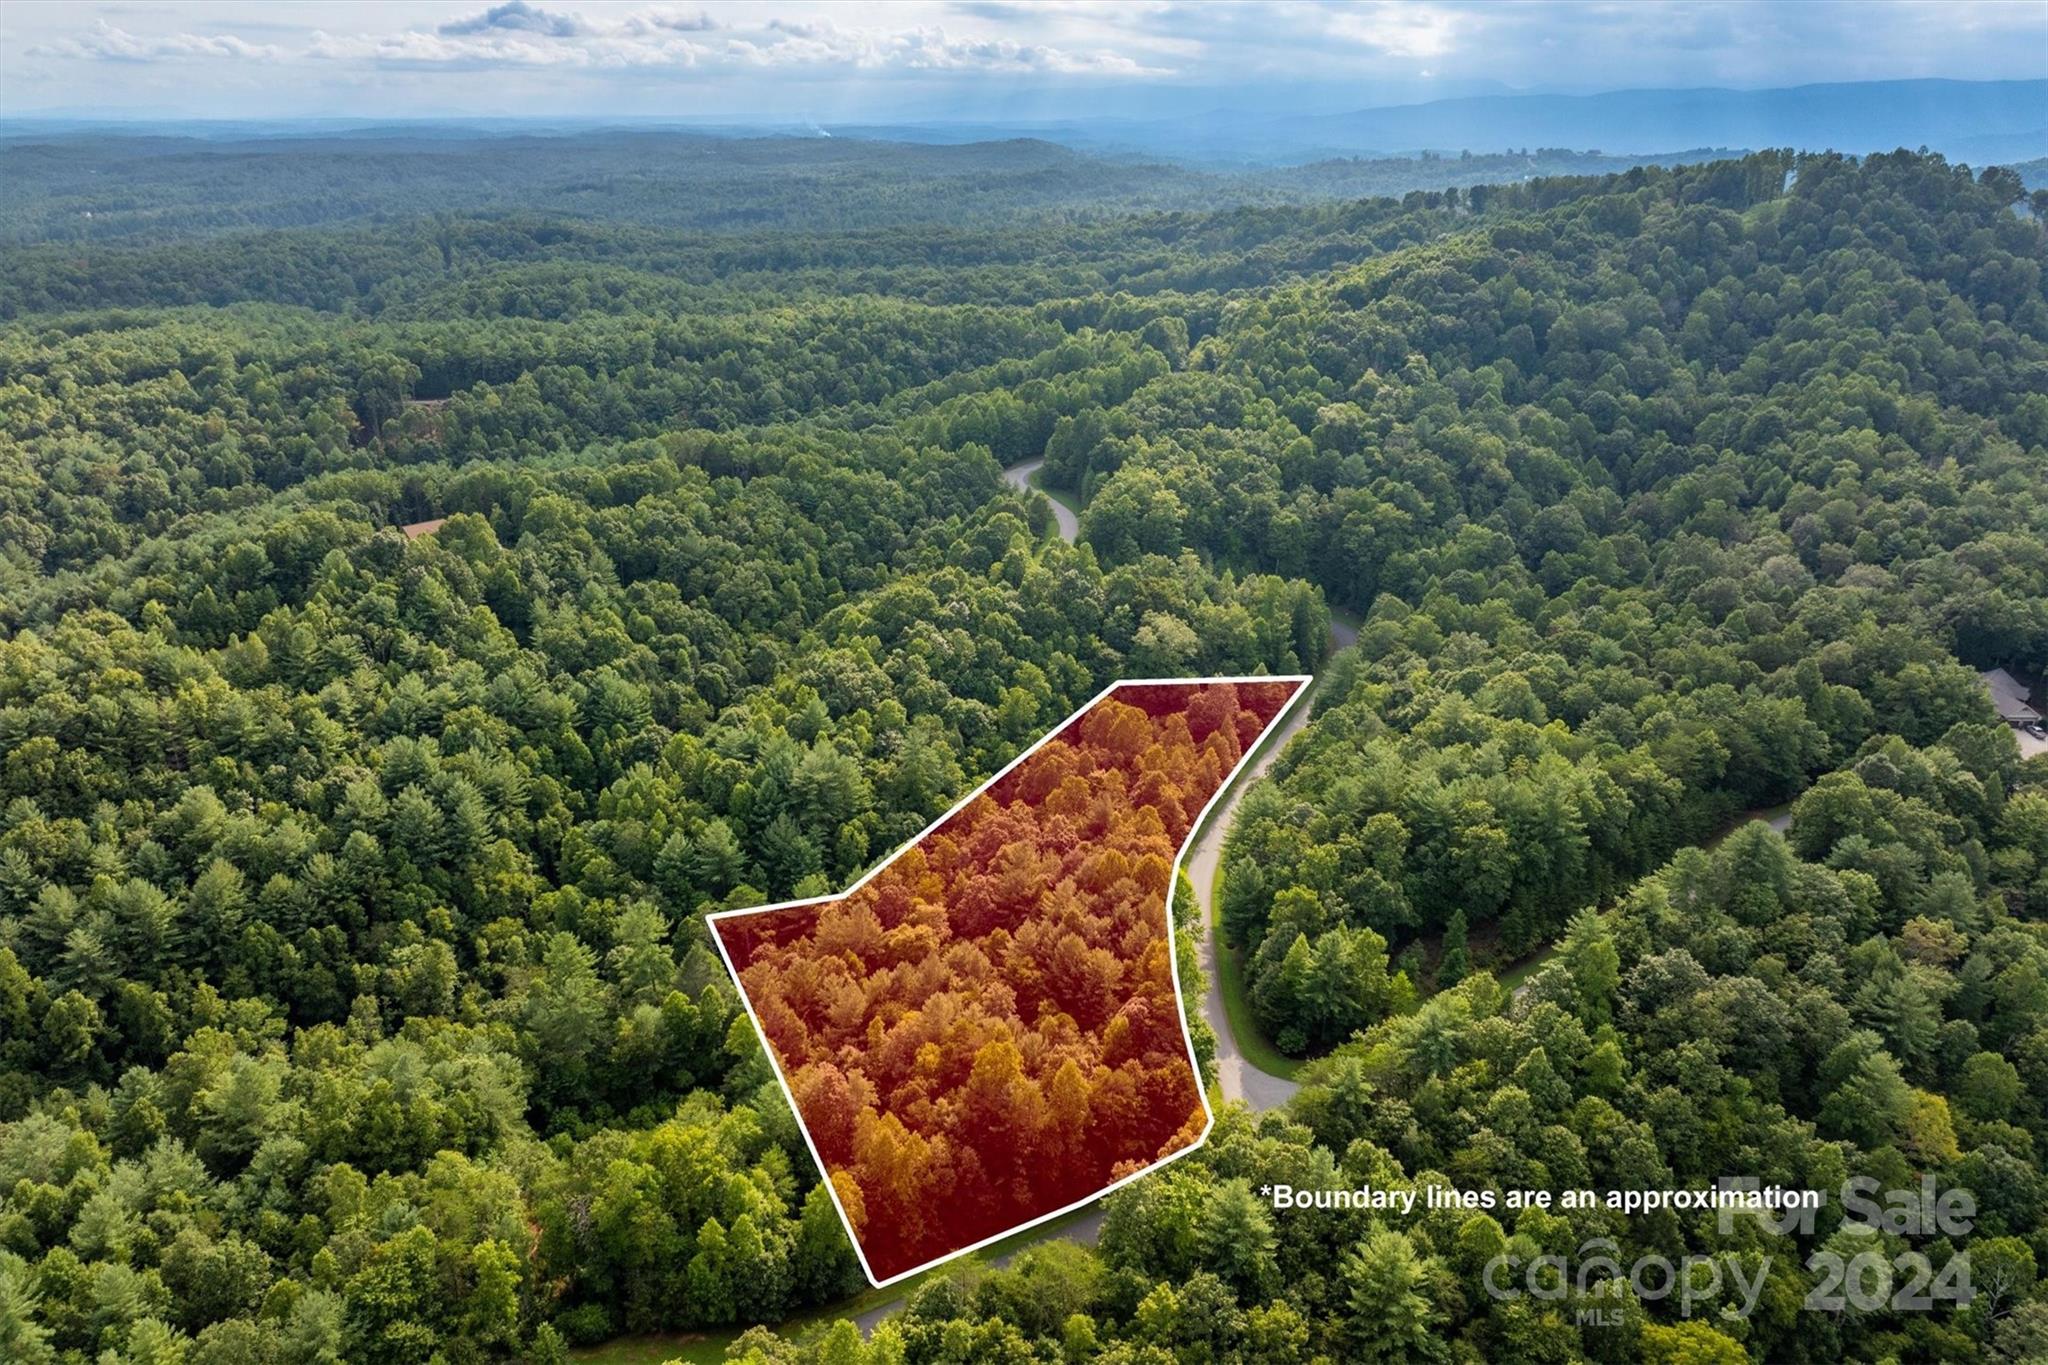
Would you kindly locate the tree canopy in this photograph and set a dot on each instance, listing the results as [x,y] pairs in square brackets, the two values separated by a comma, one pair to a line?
[413,624]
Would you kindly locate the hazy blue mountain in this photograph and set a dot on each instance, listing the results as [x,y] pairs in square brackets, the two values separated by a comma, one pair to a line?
[1868,116]
[1975,121]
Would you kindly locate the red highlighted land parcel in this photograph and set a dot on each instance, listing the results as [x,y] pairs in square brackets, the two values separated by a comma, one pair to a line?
[987,1029]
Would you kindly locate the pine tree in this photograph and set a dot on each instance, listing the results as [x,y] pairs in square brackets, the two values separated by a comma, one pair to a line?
[22,1338]
[717,863]
[1391,1315]
[640,961]
[1452,965]
[1590,956]
[1281,997]
[1237,1241]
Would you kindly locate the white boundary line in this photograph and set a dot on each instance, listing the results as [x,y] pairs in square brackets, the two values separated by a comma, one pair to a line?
[1301,681]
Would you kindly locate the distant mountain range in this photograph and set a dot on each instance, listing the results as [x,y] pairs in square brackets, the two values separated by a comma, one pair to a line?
[144,184]
[1976,121]
[1979,122]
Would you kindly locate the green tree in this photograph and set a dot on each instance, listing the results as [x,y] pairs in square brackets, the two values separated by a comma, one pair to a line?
[1392,1315]
[1452,963]
[22,1338]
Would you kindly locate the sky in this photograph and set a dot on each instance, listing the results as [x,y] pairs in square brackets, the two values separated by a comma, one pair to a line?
[784,61]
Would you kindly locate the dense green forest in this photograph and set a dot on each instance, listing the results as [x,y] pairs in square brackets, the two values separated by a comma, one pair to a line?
[79,186]
[356,1002]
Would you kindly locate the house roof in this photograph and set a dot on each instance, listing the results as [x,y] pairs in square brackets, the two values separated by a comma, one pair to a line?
[2008,695]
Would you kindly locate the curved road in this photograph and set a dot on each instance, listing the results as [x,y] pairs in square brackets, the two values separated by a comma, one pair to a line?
[1236,1076]
[1019,476]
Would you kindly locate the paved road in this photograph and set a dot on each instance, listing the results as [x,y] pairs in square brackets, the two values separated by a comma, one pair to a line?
[1778,818]
[1018,476]
[1237,1077]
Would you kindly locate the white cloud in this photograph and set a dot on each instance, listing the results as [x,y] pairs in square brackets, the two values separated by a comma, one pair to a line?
[417,48]
[1148,57]
[105,43]
[515,34]
[1418,31]
[673,21]
[931,50]
[516,16]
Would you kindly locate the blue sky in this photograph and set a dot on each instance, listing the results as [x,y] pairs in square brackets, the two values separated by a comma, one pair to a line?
[934,59]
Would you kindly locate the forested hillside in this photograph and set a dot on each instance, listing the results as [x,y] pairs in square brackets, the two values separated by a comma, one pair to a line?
[987,1032]
[356,1001]
[81,186]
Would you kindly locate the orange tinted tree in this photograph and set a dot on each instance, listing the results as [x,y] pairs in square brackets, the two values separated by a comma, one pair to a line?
[987,1030]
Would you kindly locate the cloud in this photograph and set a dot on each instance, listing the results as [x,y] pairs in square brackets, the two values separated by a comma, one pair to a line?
[819,43]
[673,21]
[105,43]
[653,40]
[1135,53]
[1403,30]
[432,51]
[515,16]
[931,50]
